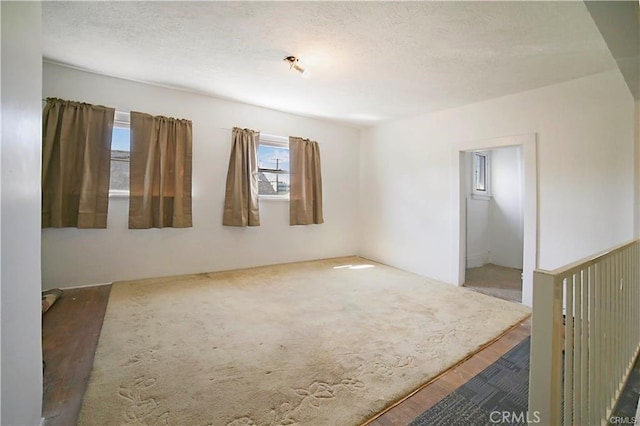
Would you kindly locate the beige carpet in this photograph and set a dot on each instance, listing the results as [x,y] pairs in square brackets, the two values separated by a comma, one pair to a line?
[329,342]
[496,281]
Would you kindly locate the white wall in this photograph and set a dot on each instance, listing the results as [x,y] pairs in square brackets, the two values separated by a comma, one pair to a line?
[585,174]
[505,208]
[495,225]
[21,88]
[72,257]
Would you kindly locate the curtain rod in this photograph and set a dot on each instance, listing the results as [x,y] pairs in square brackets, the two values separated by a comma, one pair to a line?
[261,133]
[269,135]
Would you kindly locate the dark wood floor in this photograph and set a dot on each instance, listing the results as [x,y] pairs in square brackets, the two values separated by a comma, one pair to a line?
[71,328]
[70,331]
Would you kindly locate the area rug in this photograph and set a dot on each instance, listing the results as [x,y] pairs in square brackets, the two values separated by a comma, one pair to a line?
[501,388]
[329,342]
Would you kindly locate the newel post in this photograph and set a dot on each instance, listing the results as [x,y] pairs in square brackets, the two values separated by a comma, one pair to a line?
[545,372]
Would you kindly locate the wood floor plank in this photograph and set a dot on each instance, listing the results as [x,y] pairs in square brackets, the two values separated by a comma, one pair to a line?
[70,332]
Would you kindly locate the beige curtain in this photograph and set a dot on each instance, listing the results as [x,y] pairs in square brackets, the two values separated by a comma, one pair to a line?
[241,194]
[160,172]
[305,204]
[76,156]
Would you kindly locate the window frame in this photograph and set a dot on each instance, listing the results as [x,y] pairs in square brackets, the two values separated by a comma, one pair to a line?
[121,120]
[275,141]
[476,193]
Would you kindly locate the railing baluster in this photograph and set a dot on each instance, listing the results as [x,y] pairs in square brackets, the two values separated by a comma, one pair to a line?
[620,362]
[568,352]
[614,283]
[636,294]
[626,321]
[584,366]
[633,304]
[611,284]
[600,295]
[625,307]
[617,385]
[577,347]
[593,339]
[609,333]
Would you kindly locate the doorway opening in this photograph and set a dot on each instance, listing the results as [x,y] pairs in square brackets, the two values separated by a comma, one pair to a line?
[494,187]
[496,236]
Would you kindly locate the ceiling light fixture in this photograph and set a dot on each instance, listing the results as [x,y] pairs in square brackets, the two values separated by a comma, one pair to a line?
[293,64]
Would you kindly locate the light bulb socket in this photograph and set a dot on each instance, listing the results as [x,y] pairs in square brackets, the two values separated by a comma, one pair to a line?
[293,64]
[292,61]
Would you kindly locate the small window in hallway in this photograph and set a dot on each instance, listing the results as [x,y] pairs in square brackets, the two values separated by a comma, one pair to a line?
[481,173]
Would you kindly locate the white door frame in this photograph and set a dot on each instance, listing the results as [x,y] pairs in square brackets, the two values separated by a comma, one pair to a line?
[530,207]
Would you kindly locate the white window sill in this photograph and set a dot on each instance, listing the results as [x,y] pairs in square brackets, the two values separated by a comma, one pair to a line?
[480,197]
[118,194]
[273,197]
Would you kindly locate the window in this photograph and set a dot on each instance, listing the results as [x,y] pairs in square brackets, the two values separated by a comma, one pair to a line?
[481,173]
[273,167]
[120,156]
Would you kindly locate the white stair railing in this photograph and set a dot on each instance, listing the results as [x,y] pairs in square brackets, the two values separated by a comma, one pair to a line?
[585,337]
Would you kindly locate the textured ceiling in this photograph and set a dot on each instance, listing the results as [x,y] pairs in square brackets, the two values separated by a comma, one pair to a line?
[369,61]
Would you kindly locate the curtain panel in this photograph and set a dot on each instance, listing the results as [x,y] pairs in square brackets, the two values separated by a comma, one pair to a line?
[241,192]
[160,172]
[305,197]
[76,160]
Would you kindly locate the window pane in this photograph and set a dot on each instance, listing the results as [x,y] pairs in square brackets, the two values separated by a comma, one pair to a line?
[120,156]
[273,183]
[273,157]
[119,179]
[481,172]
[273,176]
[120,139]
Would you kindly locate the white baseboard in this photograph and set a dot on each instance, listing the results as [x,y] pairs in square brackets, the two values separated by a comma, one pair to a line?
[83,286]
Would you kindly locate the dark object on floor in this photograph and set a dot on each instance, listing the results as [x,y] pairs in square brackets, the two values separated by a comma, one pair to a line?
[49,297]
[503,387]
